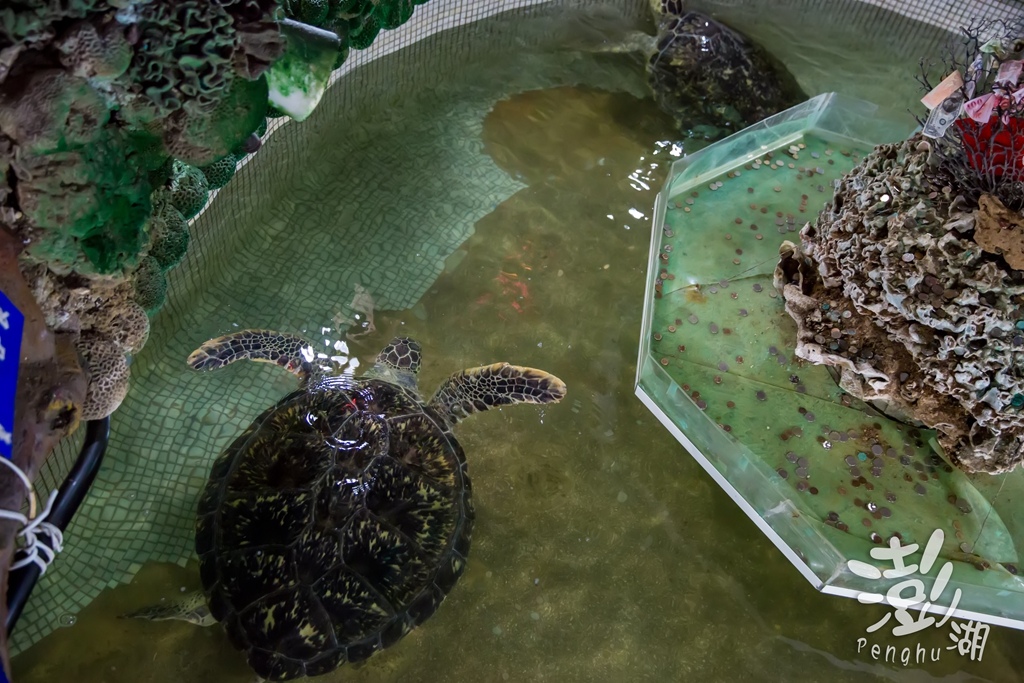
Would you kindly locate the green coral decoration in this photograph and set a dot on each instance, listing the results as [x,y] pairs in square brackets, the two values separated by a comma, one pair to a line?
[159,176]
[97,99]
[187,56]
[118,118]
[394,13]
[189,189]
[81,184]
[49,110]
[201,138]
[356,22]
[26,23]
[220,172]
[168,233]
[313,12]
[298,80]
[150,285]
[363,31]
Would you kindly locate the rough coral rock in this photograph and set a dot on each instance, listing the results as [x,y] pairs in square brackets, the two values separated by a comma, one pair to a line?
[168,232]
[189,189]
[45,110]
[1000,231]
[97,52]
[108,376]
[892,288]
[87,204]
[75,305]
[30,24]
[258,40]
[150,285]
[106,322]
[220,172]
[124,323]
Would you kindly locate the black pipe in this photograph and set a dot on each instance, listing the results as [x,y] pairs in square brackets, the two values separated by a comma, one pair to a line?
[70,495]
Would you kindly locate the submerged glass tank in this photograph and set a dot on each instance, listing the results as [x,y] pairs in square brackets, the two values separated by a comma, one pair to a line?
[827,477]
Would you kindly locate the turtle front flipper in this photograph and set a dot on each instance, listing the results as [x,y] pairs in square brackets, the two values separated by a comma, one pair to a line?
[491,386]
[191,608]
[289,351]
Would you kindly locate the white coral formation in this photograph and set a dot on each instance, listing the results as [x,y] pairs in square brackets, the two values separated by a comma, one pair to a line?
[892,289]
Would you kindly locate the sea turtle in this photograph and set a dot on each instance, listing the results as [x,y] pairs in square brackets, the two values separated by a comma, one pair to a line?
[340,519]
[710,78]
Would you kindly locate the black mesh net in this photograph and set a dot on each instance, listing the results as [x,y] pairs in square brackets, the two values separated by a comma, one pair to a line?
[241,218]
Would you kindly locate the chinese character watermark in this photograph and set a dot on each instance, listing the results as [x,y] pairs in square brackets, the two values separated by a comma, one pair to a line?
[968,637]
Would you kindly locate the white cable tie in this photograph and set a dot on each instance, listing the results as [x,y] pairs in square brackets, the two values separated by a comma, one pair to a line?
[33,546]
[33,550]
[26,482]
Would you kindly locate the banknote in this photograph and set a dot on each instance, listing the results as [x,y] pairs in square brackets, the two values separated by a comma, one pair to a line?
[942,116]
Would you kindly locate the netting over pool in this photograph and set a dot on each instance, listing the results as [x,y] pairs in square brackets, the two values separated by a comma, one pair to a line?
[141,508]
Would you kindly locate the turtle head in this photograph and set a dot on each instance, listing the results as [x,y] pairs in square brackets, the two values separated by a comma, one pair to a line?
[398,362]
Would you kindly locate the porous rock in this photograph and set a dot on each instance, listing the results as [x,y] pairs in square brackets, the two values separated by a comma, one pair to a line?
[936,322]
[108,376]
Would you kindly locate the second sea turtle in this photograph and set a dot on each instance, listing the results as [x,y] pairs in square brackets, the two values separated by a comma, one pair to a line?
[710,78]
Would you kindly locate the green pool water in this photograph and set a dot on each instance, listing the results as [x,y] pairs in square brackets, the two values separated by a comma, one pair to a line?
[501,212]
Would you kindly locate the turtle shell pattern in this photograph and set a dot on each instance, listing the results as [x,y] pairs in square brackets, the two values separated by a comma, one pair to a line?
[704,72]
[335,524]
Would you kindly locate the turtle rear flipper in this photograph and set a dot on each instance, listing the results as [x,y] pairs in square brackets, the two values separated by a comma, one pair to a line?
[191,608]
[631,42]
[477,389]
[289,351]
[603,29]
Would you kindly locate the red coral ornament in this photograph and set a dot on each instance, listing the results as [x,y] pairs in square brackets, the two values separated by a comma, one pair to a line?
[994,148]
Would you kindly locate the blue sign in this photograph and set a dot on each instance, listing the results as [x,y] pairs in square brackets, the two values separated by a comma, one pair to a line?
[12,323]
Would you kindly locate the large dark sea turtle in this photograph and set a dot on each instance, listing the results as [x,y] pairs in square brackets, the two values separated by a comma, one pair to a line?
[710,78]
[340,519]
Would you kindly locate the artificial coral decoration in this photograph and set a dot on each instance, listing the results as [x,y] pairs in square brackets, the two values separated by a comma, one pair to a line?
[921,252]
[117,119]
[978,125]
[992,127]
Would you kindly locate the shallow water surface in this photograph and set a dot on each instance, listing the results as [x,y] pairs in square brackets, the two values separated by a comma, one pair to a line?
[602,551]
